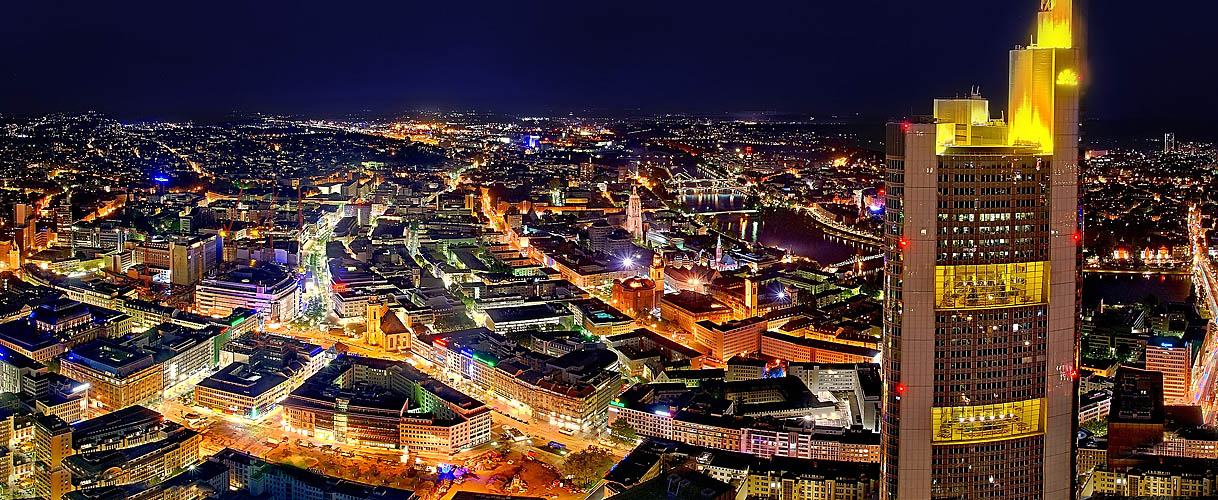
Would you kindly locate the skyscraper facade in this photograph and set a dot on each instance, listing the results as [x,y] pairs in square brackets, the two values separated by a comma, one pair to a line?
[980,287]
[63,219]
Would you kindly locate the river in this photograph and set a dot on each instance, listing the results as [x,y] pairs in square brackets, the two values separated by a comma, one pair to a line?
[1131,288]
[779,227]
[797,232]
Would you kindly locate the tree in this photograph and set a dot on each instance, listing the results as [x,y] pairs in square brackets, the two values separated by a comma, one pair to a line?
[1150,302]
[621,432]
[1098,428]
[587,467]
[315,310]
[459,321]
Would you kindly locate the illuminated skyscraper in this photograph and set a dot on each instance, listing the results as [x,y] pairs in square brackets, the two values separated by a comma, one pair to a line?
[63,219]
[980,287]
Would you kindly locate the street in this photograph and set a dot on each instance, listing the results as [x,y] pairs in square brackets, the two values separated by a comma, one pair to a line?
[1202,387]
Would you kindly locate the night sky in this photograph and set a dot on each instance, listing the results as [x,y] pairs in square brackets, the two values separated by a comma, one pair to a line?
[192,59]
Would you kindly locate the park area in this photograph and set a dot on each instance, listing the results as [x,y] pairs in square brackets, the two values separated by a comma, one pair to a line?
[531,472]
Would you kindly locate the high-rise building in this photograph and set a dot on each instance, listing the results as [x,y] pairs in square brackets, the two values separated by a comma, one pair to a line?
[52,445]
[63,218]
[634,214]
[1169,142]
[587,171]
[21,214]
[980,287]
[1173,357]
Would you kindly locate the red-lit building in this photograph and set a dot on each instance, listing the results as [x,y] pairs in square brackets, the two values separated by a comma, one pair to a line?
[635,296]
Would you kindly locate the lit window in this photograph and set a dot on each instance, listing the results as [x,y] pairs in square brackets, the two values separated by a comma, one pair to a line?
[987,422]
[979,286]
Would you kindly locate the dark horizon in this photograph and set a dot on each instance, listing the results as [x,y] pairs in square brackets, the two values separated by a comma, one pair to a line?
[877,58]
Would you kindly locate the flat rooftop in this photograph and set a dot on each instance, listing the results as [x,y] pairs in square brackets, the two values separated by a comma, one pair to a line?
[237,378]
[108,356]
[534,312]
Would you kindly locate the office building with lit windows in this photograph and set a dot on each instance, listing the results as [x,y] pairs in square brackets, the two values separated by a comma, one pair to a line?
[1173,356]
[980,289]
[118,375]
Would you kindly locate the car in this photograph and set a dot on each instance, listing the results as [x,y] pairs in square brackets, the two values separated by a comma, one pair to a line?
[566,432]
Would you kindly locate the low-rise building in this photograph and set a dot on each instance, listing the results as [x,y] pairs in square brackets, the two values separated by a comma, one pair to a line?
[782,478]
[748,417]
[680,484]
[184,353]
[686,308]
[1094,405]
[293,358]
[600,319]
[1162,478]
[178,449]
[571,391]
[373,402]
[207,480]
[61,324]
[242,390]
[504,320]
[268,288]
[733,338]
[644,353]
[811,350]
[130,426]
[118,376]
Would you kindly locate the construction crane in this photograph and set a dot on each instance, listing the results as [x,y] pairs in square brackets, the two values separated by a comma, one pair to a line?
[145,290]
[228,228]
[271,230]
[299,208]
